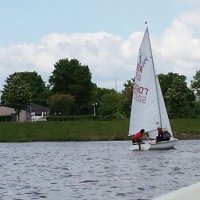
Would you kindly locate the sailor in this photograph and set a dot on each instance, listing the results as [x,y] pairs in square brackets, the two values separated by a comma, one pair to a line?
[137,138]
[159,138]
[166,135]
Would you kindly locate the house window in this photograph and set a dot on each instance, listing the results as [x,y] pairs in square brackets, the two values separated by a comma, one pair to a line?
[33,114]
[44,114]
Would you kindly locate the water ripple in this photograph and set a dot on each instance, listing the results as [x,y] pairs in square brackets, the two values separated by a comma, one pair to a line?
[94,170]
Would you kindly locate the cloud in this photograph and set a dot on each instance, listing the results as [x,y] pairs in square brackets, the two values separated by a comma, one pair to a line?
[111,59]
[179,47]
[107,56]
[191,18]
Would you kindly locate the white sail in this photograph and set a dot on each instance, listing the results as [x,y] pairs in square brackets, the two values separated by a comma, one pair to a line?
[148,109]
[164,119]
[165,123]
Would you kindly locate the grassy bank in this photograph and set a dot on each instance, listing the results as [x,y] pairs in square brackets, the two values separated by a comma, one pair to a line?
[86,130]
[80,130]
[186,128]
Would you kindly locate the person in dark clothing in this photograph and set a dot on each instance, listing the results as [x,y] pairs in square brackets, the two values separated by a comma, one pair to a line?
[159,138]
[166,135]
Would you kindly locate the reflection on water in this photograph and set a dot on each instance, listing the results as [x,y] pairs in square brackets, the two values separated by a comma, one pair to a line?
[94,170]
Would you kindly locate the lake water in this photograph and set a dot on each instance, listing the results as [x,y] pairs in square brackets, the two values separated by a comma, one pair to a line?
[94,170]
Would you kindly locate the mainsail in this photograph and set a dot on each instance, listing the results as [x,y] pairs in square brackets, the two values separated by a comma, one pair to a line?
[148,109]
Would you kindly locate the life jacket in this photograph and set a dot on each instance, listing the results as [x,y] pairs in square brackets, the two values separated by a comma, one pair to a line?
[137,136]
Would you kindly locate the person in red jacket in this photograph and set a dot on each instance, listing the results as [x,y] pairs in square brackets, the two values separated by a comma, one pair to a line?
[137,138]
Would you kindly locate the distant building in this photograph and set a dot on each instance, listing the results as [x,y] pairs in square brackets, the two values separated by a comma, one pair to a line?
[37,112]
[33,113]
[7,111]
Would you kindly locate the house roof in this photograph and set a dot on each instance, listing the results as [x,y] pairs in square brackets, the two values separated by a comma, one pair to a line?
[6,111]
[37,108]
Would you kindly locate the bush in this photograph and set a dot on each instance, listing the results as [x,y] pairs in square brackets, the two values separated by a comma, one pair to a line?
[83,117]
[69,118]
[6,118]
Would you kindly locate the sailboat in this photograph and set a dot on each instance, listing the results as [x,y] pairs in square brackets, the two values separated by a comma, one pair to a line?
[148,110]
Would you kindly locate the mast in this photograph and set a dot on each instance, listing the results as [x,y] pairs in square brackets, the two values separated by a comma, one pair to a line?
[154,77]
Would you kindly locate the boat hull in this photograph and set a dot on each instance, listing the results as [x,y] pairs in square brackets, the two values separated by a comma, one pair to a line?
[143,146]
[190,192]
[162,145]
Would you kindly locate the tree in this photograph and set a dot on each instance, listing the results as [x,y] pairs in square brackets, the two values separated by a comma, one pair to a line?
[70,77]
[39,91]
[197,109]
[61,103]
[98,93]
[106,102]
[179,98]
[195,84]
[111,104]
[128,95]
[16,93]
[166,81]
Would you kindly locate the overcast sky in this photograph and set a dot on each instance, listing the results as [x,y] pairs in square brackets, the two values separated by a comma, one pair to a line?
[103,34]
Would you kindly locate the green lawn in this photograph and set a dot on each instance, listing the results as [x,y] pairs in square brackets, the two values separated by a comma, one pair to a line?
[186,128]
[86,130]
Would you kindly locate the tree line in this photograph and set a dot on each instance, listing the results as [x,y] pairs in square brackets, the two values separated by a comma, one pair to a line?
[70,91]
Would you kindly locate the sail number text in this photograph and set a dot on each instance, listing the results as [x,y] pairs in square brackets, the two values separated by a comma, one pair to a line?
[140,93]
